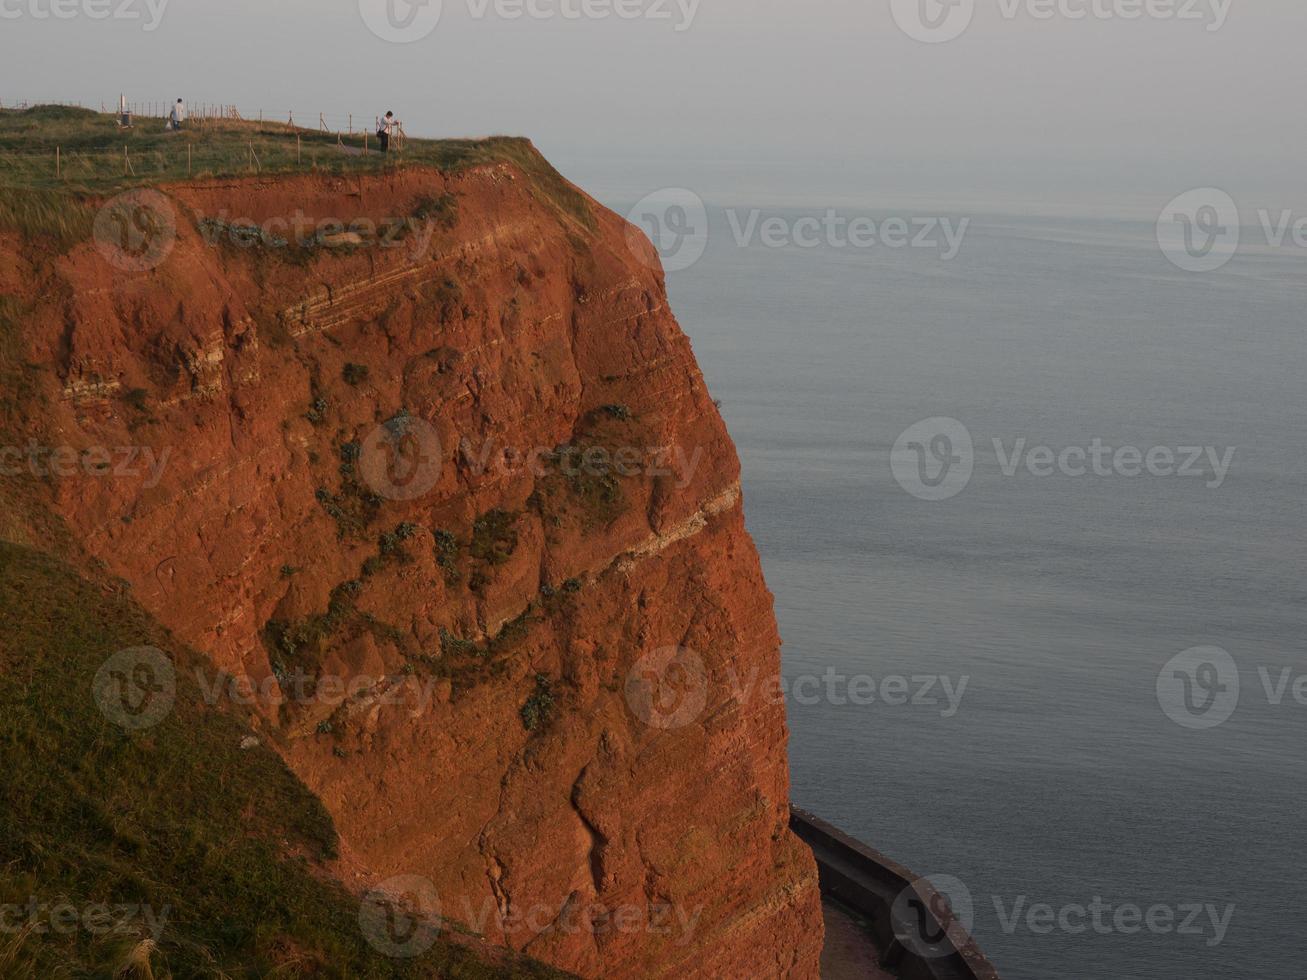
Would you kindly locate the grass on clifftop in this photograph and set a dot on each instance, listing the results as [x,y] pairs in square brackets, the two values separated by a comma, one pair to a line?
[94,155]
[225,843]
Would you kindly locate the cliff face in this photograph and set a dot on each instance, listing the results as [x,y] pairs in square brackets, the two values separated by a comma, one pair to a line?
[459,511]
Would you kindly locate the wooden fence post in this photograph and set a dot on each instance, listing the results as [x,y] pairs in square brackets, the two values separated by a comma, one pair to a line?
[58,163]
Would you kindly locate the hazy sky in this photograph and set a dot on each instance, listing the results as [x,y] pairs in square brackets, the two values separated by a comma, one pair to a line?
[785,96]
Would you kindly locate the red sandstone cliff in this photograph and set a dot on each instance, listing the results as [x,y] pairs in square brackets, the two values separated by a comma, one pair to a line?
[337,489]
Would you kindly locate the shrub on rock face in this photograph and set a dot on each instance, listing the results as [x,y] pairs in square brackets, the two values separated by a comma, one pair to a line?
[620,412]
[494,537]
[399,425]
[137,398]
[355,374]
[443,209]
[452,645]
[447,556]
[539,707]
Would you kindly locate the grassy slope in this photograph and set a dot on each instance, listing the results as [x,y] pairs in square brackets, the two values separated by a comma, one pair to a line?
[177,816]
[35,201]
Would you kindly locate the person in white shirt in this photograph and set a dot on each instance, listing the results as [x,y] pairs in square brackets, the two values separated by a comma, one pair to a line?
[385,131]
[178,115]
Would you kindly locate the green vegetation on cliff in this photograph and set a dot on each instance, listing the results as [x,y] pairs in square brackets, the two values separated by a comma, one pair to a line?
[206,857]
[96,158]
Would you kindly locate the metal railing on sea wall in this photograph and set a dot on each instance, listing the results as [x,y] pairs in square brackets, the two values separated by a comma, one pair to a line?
[882,891]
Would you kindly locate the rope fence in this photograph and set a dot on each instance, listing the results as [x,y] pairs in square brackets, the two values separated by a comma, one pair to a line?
[344,123]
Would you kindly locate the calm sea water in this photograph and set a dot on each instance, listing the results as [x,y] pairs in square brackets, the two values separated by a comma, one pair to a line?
[1059,780]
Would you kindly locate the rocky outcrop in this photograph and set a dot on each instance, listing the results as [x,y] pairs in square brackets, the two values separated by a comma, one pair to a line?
[454,499]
